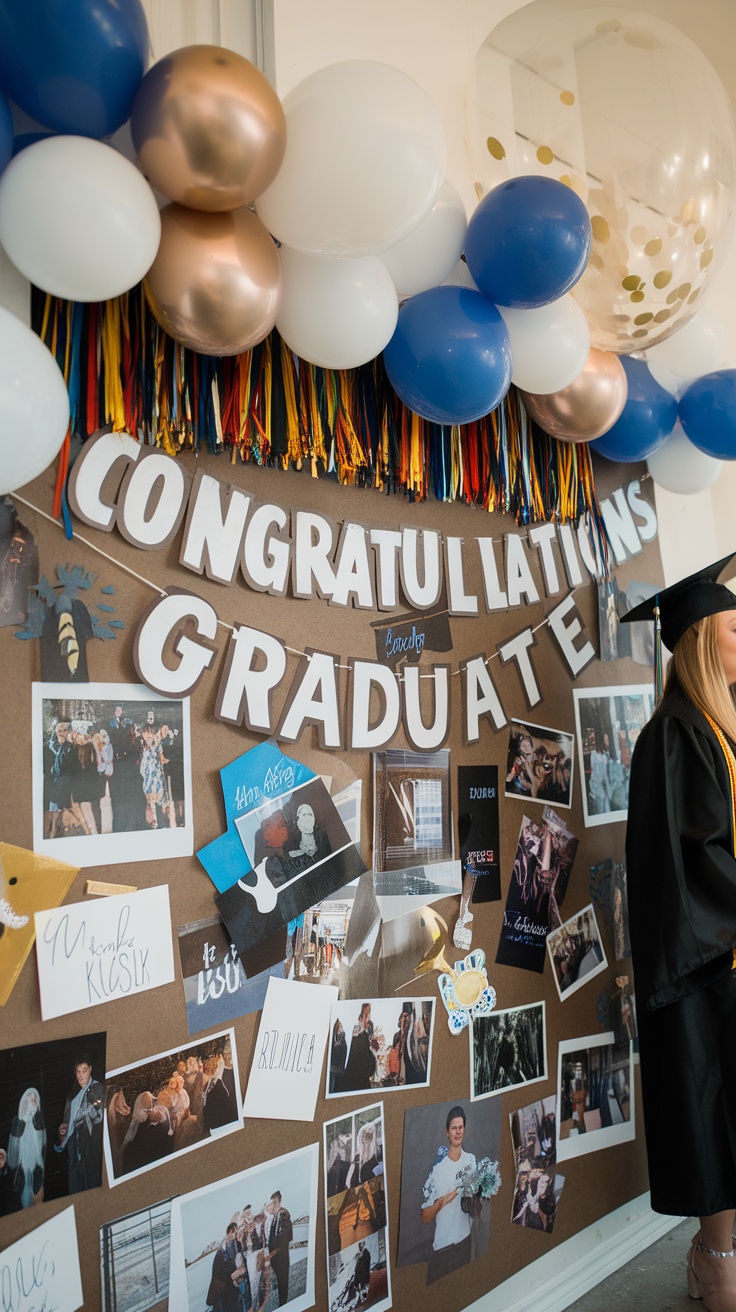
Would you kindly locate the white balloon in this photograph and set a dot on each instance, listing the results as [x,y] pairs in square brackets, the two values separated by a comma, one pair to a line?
[336,313]
[430,252]
[695,349]
[78,219]
[364,162]
[34,404]
[550,345]
[461,276]
[678,466]
[671,383]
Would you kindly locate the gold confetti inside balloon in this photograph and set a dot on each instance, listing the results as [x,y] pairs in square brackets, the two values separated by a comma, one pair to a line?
[631,115]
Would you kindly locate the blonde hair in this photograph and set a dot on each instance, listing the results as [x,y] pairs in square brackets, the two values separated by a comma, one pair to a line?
[697,670]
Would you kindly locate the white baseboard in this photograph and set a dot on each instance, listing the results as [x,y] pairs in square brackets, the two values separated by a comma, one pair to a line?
[555,1281]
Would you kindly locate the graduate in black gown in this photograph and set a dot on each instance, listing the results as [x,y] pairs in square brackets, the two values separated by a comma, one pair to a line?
[682,910]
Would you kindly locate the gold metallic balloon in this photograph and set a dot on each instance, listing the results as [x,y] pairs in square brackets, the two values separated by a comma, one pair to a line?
[215,285]
[588,407]
[208,128]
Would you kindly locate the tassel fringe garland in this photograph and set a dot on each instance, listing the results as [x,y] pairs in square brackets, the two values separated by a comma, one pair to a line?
[272,408]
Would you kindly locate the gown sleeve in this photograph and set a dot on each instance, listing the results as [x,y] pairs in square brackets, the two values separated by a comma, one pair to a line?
[681,868]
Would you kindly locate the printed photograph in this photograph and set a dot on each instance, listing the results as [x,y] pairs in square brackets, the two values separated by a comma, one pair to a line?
[609,721]
[248,1241]
[507,1049]
[534,1139]
[111,774]
[539,764]
[576,952]
[134,1260]
[449,1177]
[216,988]
[52,1106]
[595,1106]
[170,1104]
[412,814]
[315,942]
[608,887]
[382,1044]
[618,640]
[357,1219]
[300,853]
[544,858]
[622,1011]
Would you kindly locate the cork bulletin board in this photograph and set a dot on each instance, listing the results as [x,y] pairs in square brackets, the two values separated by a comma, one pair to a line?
[155,1021]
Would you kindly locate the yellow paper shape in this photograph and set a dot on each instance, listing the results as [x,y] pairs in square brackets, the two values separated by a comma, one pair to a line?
[31,883]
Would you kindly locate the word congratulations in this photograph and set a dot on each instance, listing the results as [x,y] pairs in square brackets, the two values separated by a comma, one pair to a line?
[147,494]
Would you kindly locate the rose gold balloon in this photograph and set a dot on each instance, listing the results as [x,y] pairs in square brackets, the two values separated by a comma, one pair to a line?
[215,284]
[208,128]
[588,407]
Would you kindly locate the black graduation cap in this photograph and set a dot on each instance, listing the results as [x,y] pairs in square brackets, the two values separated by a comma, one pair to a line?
[683,603]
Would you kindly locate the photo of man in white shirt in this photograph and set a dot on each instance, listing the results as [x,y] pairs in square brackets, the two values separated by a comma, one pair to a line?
[441,1202]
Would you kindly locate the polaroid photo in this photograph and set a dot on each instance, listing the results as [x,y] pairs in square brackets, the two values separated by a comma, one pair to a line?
[608,722]
[507,1049]
[595,1094]
[251,1236]
[385,1043]
[576,952]
[171,1104]
[448,1147]
[534,1138]
[540,764]
[357,1212]
[134,1259]
[52,1105]
[112,779]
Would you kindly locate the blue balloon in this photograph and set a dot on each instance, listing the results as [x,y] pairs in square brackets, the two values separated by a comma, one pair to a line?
[73,65]
[28,139]
[646,420]
[6,132]
[528,242]
[449,359]
[708,414]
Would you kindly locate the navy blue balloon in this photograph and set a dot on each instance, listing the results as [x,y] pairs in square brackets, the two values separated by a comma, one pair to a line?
[449,359]
[28,139]
[646,420]
[528,242]
[6,132]
[708,414]
[73,65]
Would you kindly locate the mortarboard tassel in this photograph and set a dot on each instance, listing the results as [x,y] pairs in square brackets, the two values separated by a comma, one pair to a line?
[657,653]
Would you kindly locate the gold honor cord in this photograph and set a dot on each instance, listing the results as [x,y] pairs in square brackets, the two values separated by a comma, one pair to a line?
[731,767]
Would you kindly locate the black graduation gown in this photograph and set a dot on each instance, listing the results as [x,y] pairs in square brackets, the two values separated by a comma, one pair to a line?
[682,913]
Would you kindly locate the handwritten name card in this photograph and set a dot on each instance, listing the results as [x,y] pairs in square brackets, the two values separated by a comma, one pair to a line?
[287,1061]
[41,1270]
[93,952]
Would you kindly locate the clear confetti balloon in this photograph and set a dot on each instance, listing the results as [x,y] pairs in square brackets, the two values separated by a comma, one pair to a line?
[627,111]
